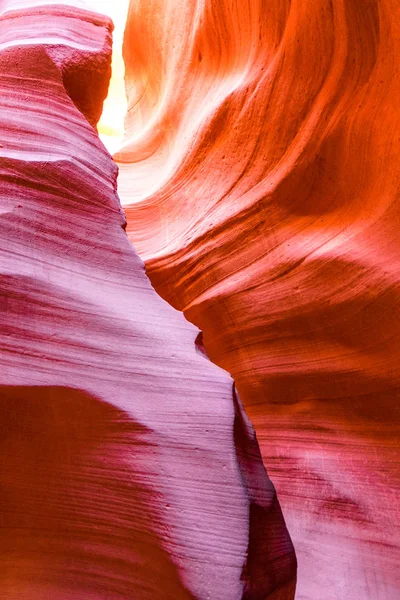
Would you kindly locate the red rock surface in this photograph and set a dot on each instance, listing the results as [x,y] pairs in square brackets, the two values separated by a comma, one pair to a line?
[260,175]
[129,469]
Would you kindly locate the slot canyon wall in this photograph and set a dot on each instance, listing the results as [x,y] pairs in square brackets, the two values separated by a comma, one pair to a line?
[260,179]
[129,468]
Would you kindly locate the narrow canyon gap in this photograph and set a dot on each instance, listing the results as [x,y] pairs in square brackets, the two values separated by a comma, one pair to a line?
[259,177]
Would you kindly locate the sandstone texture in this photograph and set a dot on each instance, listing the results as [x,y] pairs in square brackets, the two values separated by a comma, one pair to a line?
[260,178]
[129,469]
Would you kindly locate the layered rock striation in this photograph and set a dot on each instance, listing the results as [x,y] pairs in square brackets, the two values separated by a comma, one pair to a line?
[129,467]
[260,178]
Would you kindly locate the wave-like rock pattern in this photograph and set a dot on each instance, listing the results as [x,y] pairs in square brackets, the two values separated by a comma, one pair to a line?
[129,469]
[260,174]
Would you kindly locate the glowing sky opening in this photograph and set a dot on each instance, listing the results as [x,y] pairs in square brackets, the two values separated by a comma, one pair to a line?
[111,124]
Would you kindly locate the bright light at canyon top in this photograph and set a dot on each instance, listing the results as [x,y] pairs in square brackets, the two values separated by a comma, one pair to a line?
[111,124]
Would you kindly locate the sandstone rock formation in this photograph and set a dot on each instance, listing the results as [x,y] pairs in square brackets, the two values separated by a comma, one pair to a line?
[129,469]
[260,174]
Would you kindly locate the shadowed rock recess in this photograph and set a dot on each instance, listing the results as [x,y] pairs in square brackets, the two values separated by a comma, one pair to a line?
[260,178]
[129,469]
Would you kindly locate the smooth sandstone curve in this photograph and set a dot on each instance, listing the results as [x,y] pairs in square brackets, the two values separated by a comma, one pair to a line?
[260,180]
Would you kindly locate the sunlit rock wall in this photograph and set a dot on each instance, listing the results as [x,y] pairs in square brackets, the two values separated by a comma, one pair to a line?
[128,469]
[260,174]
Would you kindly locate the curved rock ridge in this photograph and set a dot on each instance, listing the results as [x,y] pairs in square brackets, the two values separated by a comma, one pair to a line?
[260,181]
[130,470]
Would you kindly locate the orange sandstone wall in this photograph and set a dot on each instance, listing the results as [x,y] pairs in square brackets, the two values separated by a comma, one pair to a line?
[260,177]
